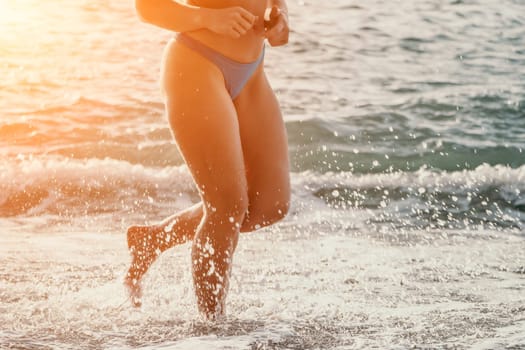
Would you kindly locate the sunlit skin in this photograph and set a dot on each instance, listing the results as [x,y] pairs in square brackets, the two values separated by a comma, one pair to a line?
[236,150]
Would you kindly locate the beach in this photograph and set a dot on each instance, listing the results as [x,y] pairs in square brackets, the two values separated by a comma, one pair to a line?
[314,290]
[406,127]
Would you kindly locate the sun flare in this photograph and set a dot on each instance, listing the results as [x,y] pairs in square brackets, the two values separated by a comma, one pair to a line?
[6,10]
[9,14]
[15,12]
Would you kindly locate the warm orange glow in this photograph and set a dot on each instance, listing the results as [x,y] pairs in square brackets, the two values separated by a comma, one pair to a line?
[17,16]
[7,13]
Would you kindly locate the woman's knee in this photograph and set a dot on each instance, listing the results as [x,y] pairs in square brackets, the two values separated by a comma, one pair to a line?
[221,224]
[265,211]
[229,208]
[278,212]
[283,209]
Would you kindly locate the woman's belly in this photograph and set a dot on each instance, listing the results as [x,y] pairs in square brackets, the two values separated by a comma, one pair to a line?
[244,49]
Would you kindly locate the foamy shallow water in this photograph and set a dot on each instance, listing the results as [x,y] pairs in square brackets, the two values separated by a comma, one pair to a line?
[292,288]
[397,260]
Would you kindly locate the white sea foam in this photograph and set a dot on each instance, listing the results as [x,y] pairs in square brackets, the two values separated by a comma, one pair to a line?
[424,178]
[327,291]
[96,187]
[59,173]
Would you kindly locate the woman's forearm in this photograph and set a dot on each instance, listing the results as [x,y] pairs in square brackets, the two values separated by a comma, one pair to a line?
[172,15]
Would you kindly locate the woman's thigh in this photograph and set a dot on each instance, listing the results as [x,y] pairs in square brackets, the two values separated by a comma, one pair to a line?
[265,147]
[204,123]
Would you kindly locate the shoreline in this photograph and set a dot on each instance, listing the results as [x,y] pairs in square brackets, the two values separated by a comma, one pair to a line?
[330,291]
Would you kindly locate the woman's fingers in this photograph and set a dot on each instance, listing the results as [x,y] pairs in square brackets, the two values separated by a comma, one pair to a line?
[237,31]
[275,30]
[244,25]
[278,33]
[247,16]
[232,21]
[245,20]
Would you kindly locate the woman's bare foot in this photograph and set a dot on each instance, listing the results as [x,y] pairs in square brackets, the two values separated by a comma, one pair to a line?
[143,247]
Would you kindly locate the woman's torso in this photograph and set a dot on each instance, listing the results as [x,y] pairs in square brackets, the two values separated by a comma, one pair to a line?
[244,49]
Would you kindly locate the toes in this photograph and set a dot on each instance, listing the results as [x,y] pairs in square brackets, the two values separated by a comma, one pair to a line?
[136,301]
[134,290]
[135,296]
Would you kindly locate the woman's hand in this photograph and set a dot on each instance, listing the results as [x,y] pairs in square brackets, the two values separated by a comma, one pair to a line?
[231,21]
[276,28]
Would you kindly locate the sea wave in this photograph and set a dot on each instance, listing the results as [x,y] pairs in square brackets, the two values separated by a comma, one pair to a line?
[426,198]
[69,187]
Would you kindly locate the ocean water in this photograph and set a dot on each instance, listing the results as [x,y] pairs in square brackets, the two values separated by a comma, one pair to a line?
[406,124]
